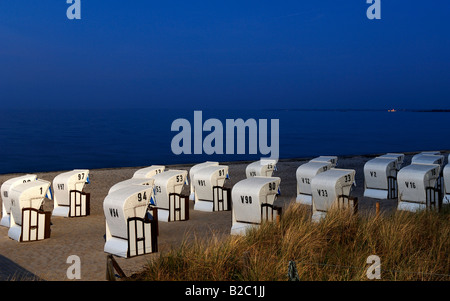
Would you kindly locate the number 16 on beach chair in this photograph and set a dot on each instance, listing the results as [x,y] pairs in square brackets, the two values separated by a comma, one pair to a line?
[28,221]
[419,188]
[69,198]
[5,195]
[131,221]
[253,203]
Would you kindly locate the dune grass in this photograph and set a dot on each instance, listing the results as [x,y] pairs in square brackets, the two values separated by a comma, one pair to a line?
[411,246]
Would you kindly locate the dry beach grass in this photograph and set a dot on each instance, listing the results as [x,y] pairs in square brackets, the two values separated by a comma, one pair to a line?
[404,242]
[411,247]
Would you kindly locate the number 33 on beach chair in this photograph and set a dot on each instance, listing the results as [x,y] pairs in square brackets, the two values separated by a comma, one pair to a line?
[332,189]
[69,198]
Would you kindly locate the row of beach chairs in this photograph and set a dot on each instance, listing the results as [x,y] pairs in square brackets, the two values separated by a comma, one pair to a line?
[23,201]
[134,207]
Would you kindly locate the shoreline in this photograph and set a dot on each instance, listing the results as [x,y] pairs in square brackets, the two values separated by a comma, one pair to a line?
[445,152]
[83,236]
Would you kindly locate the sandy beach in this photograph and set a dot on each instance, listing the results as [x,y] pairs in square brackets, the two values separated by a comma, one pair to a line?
[84,236]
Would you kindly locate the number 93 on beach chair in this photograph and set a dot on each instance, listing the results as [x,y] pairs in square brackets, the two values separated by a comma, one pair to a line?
[6,193]
[332,189]
[304,174]
[131,224]
[28,221]
[69,198]
[209,190]
[253,203]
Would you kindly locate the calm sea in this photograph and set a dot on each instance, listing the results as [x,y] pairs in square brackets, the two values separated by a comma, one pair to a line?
[50,140]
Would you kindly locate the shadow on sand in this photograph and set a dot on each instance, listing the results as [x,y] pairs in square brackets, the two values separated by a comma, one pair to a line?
[9,270]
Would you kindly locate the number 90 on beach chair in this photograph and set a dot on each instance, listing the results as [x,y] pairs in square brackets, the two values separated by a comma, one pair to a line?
[131,225]
[6,192]
[28,221]
[69,198]
[253,203]
[332,189]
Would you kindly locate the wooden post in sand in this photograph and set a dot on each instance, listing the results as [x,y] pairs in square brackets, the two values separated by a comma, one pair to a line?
[111,265]
[378,209]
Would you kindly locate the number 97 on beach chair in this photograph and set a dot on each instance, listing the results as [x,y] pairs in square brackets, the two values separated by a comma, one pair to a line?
[69,198]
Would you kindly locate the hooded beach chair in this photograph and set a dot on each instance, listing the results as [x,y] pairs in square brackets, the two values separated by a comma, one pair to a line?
[253,203]
[132,181]
[131,224]
[262,168]
[69,198]
[28,221]
[418,187]
[380,178]
[332,159]
[304,175]
[209,190]
[446,173]
[148,172]
[5,195]
[399,157]
[171,204]
[192,172]
[425,158]
[332,189]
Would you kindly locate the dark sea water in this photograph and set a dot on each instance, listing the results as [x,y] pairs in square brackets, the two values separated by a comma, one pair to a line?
[50,140]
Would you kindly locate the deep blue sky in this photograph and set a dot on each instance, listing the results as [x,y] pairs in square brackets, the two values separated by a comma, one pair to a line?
[207,54]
